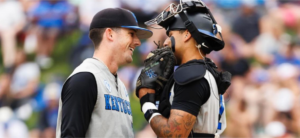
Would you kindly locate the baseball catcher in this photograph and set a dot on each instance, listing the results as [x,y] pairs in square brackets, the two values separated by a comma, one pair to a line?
[190,98]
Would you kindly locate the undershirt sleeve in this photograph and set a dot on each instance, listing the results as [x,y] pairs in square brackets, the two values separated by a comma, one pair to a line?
[79,96]
[191,97]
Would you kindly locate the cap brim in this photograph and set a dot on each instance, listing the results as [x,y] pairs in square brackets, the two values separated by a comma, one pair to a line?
[142,33]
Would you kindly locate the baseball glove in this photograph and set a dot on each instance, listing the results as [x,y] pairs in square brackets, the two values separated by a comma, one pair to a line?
[159,66]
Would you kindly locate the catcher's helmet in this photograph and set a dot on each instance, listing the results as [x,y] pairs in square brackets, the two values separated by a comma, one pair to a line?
[196,18]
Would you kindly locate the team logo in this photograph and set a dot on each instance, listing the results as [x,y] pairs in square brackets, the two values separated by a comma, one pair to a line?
[150,73]
[107,85]
[203,44]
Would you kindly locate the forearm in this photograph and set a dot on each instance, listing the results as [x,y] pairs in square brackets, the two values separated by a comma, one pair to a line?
[163,128]
[178,125]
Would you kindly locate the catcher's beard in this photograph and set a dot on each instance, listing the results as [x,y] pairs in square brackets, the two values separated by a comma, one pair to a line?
[172,39]
[172,43]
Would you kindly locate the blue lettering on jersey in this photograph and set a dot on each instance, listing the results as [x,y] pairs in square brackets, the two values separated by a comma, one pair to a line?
[107,104]
[124,106]
[114,103]
[117,104]
[129,107]
[120,102]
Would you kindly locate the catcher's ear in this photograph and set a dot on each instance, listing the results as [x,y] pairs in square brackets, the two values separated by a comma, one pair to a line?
[187,36]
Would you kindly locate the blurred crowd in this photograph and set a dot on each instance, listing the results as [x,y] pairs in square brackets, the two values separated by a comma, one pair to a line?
[262,52]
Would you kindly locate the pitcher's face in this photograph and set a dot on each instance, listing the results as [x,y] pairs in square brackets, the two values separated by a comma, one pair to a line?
[127,42]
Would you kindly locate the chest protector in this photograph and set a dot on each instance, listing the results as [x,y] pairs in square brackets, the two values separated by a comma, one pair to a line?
[189,72]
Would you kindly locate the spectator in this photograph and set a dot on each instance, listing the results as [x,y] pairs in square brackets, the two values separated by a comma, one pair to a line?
[88,8]
[4,88]
[234,64]
[50,17]
[226,4]
[9,124]
[246,25]
[145,9]
[287,55]
[47,120]
[24,81]
[12,21]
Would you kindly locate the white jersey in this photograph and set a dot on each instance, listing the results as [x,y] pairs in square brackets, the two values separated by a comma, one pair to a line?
[208,117]
[111,117]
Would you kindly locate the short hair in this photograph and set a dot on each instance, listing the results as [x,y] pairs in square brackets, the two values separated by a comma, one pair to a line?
[181,31]
[96,35]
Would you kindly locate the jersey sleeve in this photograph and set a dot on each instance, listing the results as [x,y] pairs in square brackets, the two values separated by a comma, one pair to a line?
[191,97]
[79,96]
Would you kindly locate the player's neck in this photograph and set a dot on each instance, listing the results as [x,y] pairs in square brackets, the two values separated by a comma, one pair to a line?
[107,59]
[191,55]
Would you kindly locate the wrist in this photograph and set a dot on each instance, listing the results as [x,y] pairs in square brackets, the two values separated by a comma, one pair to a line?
[143,91]
[150,111]
[148,106]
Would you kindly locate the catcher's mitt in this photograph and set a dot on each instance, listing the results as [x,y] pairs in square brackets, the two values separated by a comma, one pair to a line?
[159,66]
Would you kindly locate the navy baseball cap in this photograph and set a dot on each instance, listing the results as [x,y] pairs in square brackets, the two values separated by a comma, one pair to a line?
[118,17]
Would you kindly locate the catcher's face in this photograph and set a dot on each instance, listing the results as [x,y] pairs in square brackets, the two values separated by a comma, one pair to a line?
[127,41]
[180,40]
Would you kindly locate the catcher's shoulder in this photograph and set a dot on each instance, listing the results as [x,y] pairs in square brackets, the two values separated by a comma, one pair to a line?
[190,72]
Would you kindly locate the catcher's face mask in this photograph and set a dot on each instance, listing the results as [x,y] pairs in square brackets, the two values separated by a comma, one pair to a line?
[194,16]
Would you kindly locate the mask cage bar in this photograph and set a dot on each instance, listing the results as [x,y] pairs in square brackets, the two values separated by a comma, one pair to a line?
[172,10]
